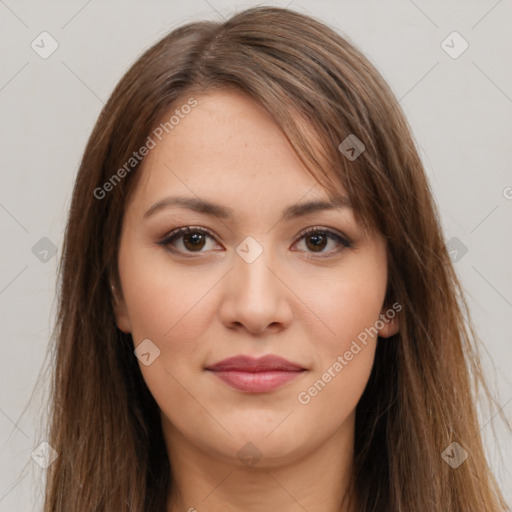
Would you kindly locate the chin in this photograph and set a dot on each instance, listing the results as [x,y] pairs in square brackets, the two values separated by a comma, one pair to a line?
[261,447]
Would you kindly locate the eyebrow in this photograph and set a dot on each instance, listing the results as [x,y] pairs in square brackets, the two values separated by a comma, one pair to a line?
[223,212]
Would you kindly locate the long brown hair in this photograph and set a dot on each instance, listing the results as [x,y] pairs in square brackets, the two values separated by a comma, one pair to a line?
[319,88]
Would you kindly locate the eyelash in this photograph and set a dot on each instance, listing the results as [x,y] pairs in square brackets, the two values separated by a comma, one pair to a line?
[177,233]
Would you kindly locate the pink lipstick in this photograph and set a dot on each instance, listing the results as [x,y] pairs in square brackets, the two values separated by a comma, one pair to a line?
[256,375]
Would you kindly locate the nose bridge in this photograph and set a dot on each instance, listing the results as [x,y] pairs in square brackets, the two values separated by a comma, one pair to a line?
[251,267]
[255,297]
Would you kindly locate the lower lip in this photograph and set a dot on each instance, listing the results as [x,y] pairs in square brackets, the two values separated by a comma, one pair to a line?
[256,382]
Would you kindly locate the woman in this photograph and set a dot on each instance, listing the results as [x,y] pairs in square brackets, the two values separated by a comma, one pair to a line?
[257,308]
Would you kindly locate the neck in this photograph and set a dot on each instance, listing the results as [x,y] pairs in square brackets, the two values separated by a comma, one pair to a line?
[317,481]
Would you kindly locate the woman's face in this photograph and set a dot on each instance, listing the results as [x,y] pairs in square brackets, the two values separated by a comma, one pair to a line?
[247,281]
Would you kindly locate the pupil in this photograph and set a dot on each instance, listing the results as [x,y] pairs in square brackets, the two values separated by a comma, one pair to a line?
[318,243]
[195,240]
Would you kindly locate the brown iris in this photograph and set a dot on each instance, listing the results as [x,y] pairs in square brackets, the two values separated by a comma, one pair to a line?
[318,242]
[194,241]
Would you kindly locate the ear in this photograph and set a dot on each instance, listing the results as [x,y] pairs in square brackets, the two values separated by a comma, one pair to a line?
[390,318]
[121,312]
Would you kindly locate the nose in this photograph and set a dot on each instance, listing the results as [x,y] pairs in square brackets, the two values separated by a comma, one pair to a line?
[256,297]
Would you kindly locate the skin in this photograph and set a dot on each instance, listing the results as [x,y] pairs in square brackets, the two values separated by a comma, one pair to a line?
[205,303]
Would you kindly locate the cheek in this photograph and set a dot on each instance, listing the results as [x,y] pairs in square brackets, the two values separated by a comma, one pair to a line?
[171,306]
[348,308]
[345,304]
[166,302]
[330,397]
[168,305]
[344,357]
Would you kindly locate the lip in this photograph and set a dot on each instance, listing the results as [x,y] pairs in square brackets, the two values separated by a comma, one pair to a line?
[256,375]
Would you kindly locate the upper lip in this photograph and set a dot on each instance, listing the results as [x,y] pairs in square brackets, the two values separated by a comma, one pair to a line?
[251,364]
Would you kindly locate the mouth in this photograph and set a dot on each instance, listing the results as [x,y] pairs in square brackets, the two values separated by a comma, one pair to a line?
[259,375]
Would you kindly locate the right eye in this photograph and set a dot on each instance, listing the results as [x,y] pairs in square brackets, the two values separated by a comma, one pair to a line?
[187,239]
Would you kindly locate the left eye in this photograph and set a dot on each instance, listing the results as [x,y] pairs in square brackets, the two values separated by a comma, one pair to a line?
[316,240]
[195,240]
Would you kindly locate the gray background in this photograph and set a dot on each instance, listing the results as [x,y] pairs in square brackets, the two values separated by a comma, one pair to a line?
[459,109]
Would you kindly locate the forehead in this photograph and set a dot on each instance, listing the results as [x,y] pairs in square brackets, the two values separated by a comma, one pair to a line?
[230,148]
[229,152]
